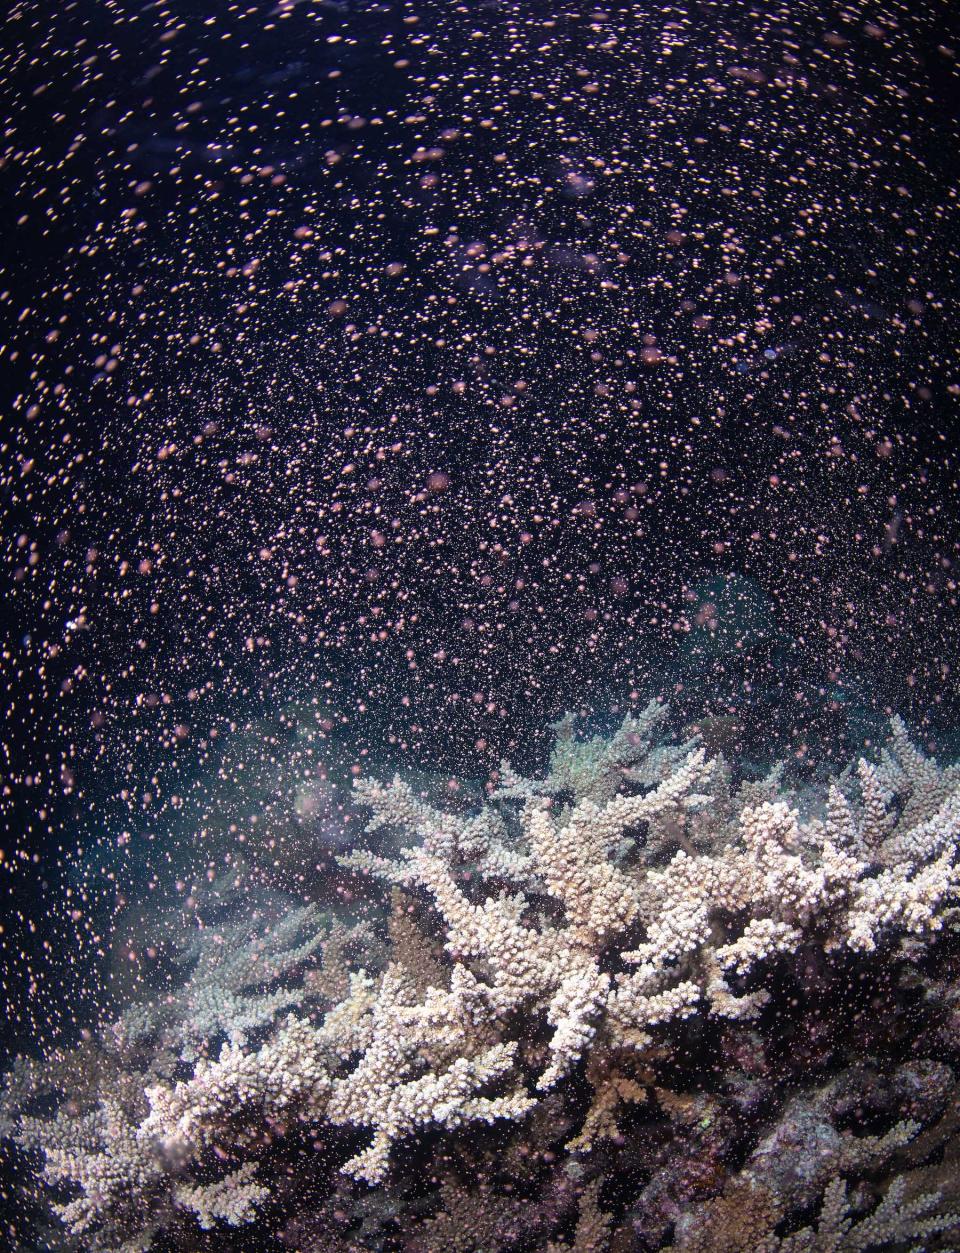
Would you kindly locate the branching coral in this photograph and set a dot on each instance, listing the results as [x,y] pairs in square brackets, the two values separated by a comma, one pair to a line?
[565,932]
[233,1199]
[226,991]
[894,1221]
[125,1139]
[631,945]
[743,1221]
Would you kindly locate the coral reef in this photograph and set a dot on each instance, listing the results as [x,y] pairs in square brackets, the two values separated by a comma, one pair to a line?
[639,1000]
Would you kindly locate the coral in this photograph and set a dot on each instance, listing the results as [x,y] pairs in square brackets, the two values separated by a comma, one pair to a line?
[613,1087]
[892,1222]
[630,948]
[233,1199]
[125,1138]
[744,1219]
[472,1218]
[101,1155]
[738,1221]
[804,1149]
[392,1091]
[774,881]
[592,1233]
[218,998]
[287,1074]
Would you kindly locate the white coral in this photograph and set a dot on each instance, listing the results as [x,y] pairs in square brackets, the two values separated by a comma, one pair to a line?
[233,1200]
[773,880]
[626,890]
[390,1089]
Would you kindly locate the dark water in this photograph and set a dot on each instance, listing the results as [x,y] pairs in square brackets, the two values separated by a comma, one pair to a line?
[382,383]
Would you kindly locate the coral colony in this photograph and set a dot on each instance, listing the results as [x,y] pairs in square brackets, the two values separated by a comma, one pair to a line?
[642,1002]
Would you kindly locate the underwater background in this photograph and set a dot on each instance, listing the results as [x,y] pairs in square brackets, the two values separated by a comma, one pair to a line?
[480,536]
